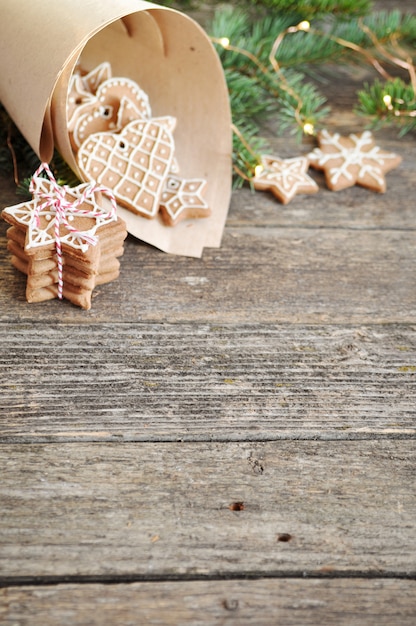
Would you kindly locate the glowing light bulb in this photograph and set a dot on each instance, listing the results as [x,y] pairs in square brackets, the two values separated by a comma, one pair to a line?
[225,42]
[308,128]
[304,25]
[258,170]
[387,101]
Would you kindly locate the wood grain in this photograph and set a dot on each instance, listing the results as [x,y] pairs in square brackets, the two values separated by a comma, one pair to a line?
[224,440]
[102,511]
[202,382]
[211,603]
[275,275]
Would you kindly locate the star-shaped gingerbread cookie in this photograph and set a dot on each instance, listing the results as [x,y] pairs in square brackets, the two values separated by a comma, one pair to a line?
[182,199]
[352,160]
[284,177]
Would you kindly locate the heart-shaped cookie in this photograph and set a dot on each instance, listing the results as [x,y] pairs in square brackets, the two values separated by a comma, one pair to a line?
[134,163]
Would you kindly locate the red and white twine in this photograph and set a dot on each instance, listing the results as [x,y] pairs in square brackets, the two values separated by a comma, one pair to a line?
[56,199]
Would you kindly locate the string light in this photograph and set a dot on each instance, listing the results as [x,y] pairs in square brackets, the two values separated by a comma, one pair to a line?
[400,59]
[304,25]
[253,170]
[308,128]
[387,101]
[226,44]
[258,170]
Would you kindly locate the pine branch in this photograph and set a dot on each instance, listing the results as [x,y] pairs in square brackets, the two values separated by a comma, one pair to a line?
[390,103]
[247,56]
[248,146]
[309,10]
[262,61]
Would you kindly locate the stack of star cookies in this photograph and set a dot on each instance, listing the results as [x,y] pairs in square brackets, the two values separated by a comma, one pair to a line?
[70,258]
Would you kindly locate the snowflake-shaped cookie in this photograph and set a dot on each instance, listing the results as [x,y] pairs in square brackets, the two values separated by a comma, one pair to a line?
[284,177]
[352,160]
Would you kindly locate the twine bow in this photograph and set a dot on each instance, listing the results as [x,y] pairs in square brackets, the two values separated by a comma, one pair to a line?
[63,206]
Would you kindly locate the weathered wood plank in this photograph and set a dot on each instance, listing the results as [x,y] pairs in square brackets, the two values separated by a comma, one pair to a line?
[202,382]
[268,274]
[262,602]
[158,510]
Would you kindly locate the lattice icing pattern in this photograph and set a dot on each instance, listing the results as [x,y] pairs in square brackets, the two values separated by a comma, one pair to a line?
[134,163]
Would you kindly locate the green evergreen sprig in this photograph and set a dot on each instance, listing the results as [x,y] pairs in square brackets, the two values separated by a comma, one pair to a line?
[256,89]
[262,61]
[309,10]
[389,103]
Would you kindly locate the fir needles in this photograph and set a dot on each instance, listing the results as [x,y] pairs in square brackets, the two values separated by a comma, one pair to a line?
[267,61]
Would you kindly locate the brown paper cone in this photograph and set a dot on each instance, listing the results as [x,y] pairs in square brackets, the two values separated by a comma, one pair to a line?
[164,51]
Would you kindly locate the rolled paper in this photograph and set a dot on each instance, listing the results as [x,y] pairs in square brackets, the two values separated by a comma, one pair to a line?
[164,51]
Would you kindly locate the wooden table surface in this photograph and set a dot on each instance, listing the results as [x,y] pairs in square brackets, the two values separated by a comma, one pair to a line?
[224,440]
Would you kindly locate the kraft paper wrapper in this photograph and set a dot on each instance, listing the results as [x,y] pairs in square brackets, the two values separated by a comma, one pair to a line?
[164,51]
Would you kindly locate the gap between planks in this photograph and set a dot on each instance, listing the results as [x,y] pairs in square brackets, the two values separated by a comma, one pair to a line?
[238,603]
[112,580]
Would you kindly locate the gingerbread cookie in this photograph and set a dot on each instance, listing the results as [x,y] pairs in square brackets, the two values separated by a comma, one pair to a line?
[64,240]
[78,99]
[118,144]
[95,77]
[182,199]
[284,177]
[103,113]
[352,160]
[77,284]
[44,260]
[134,163]
[82,88]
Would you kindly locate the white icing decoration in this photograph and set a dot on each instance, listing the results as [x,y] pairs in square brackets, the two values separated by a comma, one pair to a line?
[354,155]
[37,237]
[181,194]
[143,158]
[287,176]
[110,105]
